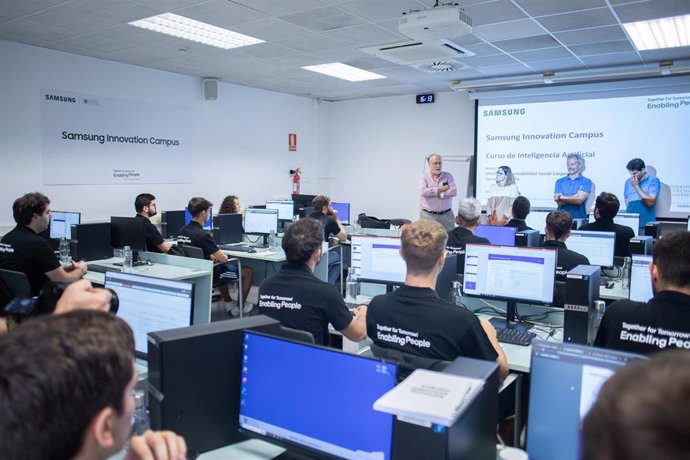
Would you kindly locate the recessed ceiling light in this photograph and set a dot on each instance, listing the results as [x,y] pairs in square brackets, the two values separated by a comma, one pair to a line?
[189,29]
[344,71]
[660,33]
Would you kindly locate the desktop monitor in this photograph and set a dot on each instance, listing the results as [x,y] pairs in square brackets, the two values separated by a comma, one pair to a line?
[208,225]
[598,247]
[499,235]
[640,279]
[689,223]
[565,380]
[377,259]
[150,304]
[172,222]
[513,274]
[61,224]
[305,212]
[128,231]
[343,210]
[91,241]
[301,201]
[536,218]
[323,385]
[260,221]
[227,228]
[285,208]
[629,219]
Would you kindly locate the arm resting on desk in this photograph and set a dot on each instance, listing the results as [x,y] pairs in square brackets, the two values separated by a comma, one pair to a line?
[357,329]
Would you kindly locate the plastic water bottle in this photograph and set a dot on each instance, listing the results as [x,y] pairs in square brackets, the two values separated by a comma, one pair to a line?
[625,273]
[351,287]
[272,240]
[140,417]
[65,256]
[127,259]
[456,293]
[595,316]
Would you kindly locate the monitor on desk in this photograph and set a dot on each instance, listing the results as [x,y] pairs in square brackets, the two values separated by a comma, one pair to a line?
[512,274]
[598,247]
[324,385]
[343,210]
[61,224]
[536,218]
[285,208]
[377,259]
[91,241]
[208,225]
[640,279]
[260,221]
[496,234]
[227,228]
[150,304]
[172,222]
[565,381]
[128,231]
[629,219]
[301,201]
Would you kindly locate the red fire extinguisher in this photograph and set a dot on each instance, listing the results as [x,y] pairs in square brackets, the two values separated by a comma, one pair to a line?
[295,180]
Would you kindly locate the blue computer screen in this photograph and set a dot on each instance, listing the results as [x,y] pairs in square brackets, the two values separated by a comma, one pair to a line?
[343,210]
[318,398]
[504,236]
[208,225]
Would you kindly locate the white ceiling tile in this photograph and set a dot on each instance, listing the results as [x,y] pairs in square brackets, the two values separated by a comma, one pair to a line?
[364,34]
[270,29]
[508,30]
[221,13]
[578,20]
[493,12]
[326,18]
[545,7]
[619,46]
[380,10]
[117,10]
[311,42]
[66,18]
[591,35]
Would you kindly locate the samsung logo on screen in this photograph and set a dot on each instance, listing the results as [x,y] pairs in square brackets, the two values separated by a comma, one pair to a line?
[503,112]
[52,97]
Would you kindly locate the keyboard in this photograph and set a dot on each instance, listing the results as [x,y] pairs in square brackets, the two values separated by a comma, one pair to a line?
[100,268]
[514,336]
[235,247]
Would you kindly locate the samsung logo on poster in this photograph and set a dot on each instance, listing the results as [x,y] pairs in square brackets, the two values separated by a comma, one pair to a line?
[503,112]
[52,97]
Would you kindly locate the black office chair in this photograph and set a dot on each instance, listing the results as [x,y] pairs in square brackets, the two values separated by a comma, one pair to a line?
[296,335]
[408,362]
[192,251]
[13,284]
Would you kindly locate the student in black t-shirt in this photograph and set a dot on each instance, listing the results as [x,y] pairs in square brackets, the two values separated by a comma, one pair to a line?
[298,299]
[145,206]
[605,210]
[664,321]
[558,225]
[193,234]
[24,251]
[520,211]
[333,232]
[469,216]
[413,319]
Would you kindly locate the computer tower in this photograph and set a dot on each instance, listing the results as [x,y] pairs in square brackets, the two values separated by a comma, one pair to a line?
[171,223]
[194,380]
[91,241]
[527,239]
[641,245]
[227,228]
[581,290]
[472,436]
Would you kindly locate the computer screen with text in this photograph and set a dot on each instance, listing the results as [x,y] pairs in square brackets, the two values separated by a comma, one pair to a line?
[377,259]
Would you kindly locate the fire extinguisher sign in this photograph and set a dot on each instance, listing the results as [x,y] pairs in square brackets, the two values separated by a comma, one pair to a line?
[292,142]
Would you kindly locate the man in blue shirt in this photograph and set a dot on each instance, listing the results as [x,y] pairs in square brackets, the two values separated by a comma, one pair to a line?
[641,191]
[571,191]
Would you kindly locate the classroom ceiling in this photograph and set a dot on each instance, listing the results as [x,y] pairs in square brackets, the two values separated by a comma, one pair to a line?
[509,37]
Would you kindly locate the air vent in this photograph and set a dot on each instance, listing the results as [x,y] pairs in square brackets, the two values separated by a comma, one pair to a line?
[416,52]
[439,66]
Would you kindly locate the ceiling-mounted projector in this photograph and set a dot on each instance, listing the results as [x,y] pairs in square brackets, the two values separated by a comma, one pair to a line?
[441,22]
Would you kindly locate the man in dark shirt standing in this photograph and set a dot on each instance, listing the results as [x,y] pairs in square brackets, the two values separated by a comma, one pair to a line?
[558,225]
[193,234]
[469,216]
[24,251]
[333,231]
[520,210]
[664,321]
[145,206]
[298,299]
[413,319]
[605,209]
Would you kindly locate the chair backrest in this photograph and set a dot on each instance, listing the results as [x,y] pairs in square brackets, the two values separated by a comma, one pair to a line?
[321,269]
[296,335]
[408,362]
[192,251]
[16,282]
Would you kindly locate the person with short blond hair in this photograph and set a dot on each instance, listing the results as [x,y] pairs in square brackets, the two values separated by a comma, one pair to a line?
[468,218]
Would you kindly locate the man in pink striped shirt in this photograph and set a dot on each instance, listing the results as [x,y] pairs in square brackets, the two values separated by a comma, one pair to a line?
[437,189]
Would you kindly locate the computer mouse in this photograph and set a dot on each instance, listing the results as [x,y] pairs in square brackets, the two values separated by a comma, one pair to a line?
[609,285]
[251,250]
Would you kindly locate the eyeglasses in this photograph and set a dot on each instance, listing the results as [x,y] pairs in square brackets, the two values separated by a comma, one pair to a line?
[500,173]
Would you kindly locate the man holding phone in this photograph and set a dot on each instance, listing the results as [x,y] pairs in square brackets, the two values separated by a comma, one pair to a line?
[333,231]
[437,189]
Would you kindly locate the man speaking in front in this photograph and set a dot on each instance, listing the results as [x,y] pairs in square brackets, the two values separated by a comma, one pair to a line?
[437,189]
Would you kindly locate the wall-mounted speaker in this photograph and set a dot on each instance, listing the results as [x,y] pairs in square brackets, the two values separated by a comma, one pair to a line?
[210,89]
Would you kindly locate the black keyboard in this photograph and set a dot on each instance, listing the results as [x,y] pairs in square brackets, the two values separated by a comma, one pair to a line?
[235,247]
[514,336]
[100,268]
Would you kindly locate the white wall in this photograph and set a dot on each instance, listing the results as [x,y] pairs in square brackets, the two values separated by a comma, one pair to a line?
[240,141]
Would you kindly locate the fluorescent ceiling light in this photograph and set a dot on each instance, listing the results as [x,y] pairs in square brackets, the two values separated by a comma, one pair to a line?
[344,71]
[189,29]
[660,33]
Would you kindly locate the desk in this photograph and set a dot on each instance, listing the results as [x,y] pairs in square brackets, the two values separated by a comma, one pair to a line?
[268,258]
[618,292]
[173,268]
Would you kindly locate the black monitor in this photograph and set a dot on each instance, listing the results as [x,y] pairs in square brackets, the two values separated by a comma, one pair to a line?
[208,225]
[496,234]
[61,224]
[227,228]
[301,201]
[377,259]
[305,212]
[565,380]
[150,304]
[128,231]
[91,241]
[343,210]
[285,208]
[172,222]
[315,386]
[512,274]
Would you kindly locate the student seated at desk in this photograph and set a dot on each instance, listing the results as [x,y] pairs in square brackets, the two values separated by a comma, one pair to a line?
[333,231]
[413,319]
[664,321]
[606,208]
[520,211]
[298,299]
[145,207]
[23,250]
[469,216]
[66,384]
[193,234]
